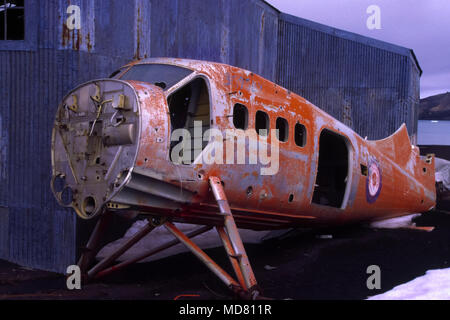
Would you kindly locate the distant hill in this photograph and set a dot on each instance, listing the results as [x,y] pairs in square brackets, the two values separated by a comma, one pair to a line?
[435,107]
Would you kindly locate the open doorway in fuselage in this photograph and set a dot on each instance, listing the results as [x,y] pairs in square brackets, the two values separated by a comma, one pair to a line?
[332,170]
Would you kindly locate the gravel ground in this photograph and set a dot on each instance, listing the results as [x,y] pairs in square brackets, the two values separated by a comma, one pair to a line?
[304,265]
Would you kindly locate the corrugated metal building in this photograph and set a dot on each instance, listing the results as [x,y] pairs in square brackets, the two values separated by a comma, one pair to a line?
[370,85]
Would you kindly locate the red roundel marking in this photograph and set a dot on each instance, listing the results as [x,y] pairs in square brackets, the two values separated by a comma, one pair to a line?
[374,179]
[373,182]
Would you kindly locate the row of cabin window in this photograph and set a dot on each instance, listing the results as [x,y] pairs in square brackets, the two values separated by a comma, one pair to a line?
[262,122]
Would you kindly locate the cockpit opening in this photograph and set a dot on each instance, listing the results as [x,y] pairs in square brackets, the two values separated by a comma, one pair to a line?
[189,108]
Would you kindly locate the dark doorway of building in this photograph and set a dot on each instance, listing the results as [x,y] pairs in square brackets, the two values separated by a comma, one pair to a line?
[332,171]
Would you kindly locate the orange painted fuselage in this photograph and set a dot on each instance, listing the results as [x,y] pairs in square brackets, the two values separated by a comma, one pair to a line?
[332,177]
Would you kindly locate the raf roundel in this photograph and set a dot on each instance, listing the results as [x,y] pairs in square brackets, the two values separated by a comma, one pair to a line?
[373,182]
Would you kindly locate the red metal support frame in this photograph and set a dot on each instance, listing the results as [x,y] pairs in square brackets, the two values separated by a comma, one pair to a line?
[107,261]
[232,256]
[151,252]
[199,253]
[238,251]
[246,286]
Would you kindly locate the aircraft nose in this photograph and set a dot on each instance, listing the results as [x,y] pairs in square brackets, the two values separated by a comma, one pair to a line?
[94,144]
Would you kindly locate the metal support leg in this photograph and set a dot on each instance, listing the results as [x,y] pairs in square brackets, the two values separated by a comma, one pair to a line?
[107,261]
[93,245]
[232,256]
[199,253]
[238,250]
[151,252]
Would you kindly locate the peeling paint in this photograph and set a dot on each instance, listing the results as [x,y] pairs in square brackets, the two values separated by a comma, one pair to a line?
[82,39]
[288,192]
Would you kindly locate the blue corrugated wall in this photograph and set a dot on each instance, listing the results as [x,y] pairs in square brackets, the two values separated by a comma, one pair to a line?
[369,85]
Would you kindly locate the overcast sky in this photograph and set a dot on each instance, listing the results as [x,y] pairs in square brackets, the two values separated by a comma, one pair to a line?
[421,25]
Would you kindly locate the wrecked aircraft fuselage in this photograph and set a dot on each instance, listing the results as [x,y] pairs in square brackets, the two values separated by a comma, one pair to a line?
[184,140]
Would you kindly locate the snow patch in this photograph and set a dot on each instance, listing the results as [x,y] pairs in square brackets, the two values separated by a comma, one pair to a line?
[442,173]
[395,223]
[434,285]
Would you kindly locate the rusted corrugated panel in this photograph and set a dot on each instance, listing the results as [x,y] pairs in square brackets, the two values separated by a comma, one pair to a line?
[41,238]
[4,153]
[32,222]
[39,235]
[304,59]
[414,93]
[73,38]
[216,32]
[142,29]
[115,29]
[111,34]
[34,231]
[4,232]
[363,82]
[4,128]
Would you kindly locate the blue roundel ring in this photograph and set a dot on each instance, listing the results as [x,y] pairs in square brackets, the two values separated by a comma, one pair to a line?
[373,181]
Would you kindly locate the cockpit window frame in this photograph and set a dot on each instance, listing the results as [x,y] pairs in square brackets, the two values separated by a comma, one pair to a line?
[129,67]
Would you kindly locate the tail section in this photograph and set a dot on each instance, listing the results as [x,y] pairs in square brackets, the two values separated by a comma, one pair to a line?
[397,146]
[416,172]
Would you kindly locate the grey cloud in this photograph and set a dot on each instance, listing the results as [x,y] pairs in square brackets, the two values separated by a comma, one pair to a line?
[423,26]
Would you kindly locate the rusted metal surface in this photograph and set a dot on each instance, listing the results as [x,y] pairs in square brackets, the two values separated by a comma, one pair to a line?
[153,251]
[107,261]
[112,147]
[241,291]
[36,73]
[199,253]
[234,245]
[276,201]
[82,39]
[232,256]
